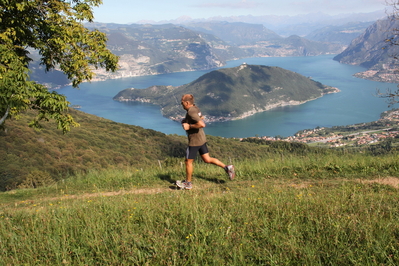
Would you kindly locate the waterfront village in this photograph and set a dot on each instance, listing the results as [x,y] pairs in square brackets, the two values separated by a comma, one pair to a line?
[357,135]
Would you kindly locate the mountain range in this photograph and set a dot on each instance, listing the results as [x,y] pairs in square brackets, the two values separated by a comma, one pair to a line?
[150,49]
[302,25]
[159,49]
[375,49]
[233,93]
[342,34]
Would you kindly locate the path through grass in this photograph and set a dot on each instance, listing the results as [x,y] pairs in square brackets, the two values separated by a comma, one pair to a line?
[252,222]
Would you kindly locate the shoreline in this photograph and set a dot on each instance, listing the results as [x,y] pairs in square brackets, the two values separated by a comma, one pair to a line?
[221,119]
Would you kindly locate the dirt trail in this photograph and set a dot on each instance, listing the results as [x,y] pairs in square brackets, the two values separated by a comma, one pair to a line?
[391,181]
[113,193]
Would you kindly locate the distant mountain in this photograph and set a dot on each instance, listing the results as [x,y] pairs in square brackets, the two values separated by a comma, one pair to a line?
[54,79]
[372,50]
[342,34]
[258,41]
[235,33]
[300,25]
[233,93]
[160,49]
[303,25]
[151,50]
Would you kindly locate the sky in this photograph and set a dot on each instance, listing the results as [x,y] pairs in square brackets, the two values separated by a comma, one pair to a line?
[132,11]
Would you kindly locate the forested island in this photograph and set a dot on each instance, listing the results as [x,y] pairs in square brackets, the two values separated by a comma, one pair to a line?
[233,93]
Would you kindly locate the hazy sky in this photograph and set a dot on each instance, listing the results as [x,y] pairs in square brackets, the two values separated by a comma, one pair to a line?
[128,11]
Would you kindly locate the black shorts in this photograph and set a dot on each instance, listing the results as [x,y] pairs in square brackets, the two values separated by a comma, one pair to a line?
[191,152]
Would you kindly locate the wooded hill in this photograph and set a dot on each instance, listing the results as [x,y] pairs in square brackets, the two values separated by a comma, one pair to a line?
[233,93]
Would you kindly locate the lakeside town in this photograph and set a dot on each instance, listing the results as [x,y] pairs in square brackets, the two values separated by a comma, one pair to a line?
[355,135]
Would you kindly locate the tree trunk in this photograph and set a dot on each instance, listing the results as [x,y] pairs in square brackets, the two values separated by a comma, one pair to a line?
[5,115]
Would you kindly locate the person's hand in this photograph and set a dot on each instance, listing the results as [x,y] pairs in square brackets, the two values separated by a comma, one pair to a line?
[186,126]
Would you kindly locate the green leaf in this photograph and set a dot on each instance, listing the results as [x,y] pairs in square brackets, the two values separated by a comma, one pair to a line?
[54,28]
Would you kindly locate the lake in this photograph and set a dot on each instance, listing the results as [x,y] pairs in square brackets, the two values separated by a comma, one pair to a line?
[356,103]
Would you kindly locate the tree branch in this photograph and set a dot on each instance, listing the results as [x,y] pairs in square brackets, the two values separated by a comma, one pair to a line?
[5,116]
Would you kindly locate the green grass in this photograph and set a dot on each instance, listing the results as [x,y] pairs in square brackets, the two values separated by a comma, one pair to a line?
[287,210]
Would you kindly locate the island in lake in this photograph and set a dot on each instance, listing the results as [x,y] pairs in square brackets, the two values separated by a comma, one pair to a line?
[233,93]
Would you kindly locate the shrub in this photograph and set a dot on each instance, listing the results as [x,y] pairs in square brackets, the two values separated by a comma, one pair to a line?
[36,179]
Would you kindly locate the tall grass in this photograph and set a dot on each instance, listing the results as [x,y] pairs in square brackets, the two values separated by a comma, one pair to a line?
[286,210]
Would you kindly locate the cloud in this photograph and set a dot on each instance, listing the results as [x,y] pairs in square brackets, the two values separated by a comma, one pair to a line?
[243,4]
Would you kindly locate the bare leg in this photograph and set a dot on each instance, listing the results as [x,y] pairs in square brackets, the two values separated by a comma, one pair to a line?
[189,169]
[208,159]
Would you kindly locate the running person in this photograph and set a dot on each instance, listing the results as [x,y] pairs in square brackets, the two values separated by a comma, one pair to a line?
[193,124]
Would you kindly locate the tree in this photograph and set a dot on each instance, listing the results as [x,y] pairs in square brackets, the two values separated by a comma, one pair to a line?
[54,29]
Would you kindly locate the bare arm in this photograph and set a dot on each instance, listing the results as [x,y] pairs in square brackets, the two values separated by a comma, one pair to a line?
[199,124]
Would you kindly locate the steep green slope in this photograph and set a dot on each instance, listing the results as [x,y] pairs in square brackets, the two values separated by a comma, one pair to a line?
[233,93]
[98,143]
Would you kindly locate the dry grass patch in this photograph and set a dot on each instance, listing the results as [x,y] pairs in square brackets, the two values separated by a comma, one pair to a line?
[390,181]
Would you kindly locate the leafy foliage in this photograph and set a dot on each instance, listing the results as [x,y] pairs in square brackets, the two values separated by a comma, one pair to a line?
[36,179]
[53,28]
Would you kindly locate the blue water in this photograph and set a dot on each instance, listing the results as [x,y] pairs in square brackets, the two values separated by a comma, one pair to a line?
[356,103]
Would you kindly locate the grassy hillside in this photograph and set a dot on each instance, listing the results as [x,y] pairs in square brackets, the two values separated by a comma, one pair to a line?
[48,155]
[97,144]
[289,204]
[32,158]
[289,209]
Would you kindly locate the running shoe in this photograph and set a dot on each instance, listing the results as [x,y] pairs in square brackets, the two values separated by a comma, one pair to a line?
[230,171]
[184,185]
